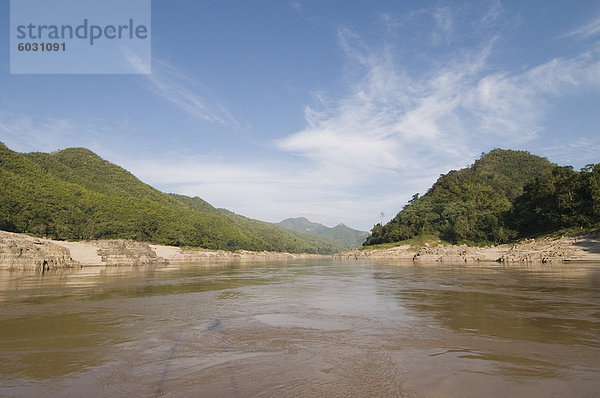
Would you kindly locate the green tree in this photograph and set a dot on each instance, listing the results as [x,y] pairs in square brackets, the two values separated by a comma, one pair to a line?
[468,205]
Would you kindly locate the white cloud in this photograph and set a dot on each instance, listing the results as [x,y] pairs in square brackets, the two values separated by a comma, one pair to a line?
[492,16]
[436,23]
[390,122]
[369,151]
[135,61]
[27,134]
[264,190]
[174,86]
[588,30]
[365,153]
[24,134]
[445,25]
[577,152]
[396,128]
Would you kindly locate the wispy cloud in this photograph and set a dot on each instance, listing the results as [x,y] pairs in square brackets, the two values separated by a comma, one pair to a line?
[391,122]
[396,127]
[368,151]
[445,25]
[19,133]
[585,150]
[440,23]
[492,16]
[391,136]
[588,30]
[175,86]
[262,189]
[24,133]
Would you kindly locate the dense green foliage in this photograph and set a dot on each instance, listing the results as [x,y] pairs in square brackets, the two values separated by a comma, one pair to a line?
[562,198]
[469,205]
[346,236]
[74,194]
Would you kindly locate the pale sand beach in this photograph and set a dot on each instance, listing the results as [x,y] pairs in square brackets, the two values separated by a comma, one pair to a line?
[21,251]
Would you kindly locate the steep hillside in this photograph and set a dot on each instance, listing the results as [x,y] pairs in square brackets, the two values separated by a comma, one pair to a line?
[346,236]
[469,205]
[74,194]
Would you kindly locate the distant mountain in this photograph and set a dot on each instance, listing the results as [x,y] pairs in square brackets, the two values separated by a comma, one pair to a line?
[74,194]
[342,234]
[471,205]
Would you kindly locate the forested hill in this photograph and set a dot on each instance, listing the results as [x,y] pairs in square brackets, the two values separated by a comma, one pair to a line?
[74,194]
[346,236]
[471,205]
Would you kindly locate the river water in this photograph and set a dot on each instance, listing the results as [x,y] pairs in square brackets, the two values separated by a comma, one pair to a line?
[311,328]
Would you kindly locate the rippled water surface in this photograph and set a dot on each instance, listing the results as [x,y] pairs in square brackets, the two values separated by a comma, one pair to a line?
[316,328]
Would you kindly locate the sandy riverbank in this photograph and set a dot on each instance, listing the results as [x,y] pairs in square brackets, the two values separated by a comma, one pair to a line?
[575,247]
[21,251]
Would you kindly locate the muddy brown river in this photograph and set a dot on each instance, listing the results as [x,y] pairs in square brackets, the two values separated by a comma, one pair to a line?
[312,328]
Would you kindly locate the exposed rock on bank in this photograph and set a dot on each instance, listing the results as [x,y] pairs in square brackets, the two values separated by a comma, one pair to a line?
[180,255]
[22,252]
[126,252]
[576,247]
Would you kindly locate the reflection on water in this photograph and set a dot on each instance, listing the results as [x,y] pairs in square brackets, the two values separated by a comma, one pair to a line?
[518,304]
[311,328]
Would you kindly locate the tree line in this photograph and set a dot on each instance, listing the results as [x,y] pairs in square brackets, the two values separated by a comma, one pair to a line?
[74,194]
[504,195]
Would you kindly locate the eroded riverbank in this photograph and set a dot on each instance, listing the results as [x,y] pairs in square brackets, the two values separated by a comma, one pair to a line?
[24,252]
[573,248]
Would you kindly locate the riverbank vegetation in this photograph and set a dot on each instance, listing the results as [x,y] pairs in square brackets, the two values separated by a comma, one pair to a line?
[74,194]
[503,196]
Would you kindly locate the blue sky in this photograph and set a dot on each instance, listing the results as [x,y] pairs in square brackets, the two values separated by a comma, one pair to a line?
[337,111]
